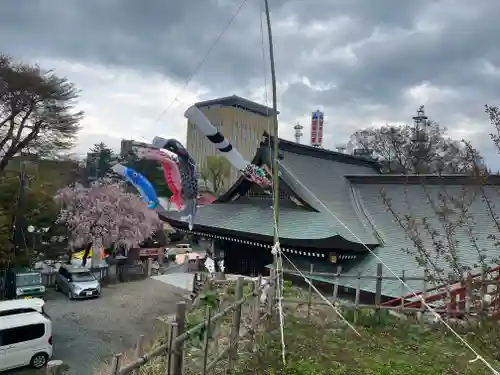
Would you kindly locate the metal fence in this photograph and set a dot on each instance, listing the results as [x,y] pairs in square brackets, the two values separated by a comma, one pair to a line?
[131,272]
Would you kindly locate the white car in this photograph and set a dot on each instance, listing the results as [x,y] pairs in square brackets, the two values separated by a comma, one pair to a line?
[21,306]
[25,339]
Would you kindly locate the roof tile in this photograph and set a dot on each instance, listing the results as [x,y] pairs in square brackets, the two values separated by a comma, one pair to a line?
[412,200]
[322,180]
[294,223]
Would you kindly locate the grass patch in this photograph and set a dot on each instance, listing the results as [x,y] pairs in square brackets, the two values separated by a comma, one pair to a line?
[383,349]
[321,345]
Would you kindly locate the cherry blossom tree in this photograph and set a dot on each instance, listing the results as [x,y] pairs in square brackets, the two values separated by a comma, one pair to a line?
[104,215]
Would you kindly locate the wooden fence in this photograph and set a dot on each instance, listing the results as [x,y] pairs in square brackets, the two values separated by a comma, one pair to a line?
[214,355]
[473,294]
[172,352]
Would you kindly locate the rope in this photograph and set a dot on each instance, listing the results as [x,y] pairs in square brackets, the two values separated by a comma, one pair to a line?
[326,300]
[202,61]
[478,357]
[276,250]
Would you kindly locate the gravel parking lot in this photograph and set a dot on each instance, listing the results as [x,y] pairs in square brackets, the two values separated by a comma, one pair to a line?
[88,332]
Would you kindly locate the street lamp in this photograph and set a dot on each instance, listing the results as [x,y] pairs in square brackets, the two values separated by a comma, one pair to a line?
[34,232]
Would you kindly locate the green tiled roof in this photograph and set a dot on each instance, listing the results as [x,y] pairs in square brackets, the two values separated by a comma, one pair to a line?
[294,223]
[323,182]
[396,243]
[317,177]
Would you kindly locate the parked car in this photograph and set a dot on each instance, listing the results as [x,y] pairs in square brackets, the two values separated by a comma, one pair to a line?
[22,306]
[25,339]
[24,283]
[77,282]
[172,252]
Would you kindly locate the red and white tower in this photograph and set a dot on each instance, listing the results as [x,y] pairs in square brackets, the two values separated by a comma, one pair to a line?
[317,129]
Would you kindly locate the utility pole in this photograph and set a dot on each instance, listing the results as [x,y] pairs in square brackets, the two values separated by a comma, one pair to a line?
[94,160]
[18,220]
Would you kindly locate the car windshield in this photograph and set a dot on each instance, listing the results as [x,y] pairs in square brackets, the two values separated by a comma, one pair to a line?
[82,276]
[27,279]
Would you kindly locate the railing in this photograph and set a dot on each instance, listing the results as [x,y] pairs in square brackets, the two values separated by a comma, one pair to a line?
[172,352]
[474,294]
[459,289]
[132,272]
[218,350]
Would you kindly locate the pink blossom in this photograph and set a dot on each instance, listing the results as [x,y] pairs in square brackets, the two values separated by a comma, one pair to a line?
[105,215]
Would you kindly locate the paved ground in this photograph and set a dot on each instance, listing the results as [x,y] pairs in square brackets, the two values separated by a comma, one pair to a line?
[88,332]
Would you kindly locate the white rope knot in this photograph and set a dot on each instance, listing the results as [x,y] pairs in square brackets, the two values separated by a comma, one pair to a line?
[276,248]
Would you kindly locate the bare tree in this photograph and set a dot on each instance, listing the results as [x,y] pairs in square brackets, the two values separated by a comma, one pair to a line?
[36,111]
[455,230]
[403,149]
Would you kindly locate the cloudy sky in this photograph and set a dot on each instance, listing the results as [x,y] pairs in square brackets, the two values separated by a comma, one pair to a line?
[362,62]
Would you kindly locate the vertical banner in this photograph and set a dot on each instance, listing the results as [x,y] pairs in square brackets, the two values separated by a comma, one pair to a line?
[320,130]
[314,128]
[317,129]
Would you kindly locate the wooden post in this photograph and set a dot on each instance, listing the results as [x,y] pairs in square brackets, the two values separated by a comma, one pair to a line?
[356,298]
[235,329]
[170,364]
[449,295]
[482,293]
[149,266]
[116,364]
[403,289]
[197,266]
[309,295]
[139,351]
[177,358]
[255,313]
[378,289]
[216,331]
[336,286]
[270,297]
[468,294]
[424,296]
[206,339]
[56,367]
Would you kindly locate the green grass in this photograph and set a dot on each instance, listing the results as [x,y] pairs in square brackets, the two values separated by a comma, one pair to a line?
[383,349]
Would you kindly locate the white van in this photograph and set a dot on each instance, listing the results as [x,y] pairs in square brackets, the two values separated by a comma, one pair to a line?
[25,339]
[21,306]
[184,246]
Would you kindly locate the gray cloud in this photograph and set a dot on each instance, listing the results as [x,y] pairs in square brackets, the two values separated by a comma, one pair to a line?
[357,60]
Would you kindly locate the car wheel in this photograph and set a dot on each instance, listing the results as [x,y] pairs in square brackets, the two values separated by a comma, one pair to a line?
[39,360]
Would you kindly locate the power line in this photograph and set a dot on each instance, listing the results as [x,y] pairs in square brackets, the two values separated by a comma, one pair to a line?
[202,61]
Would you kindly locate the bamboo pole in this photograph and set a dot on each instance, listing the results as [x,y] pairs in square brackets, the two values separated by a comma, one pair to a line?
[276,193]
